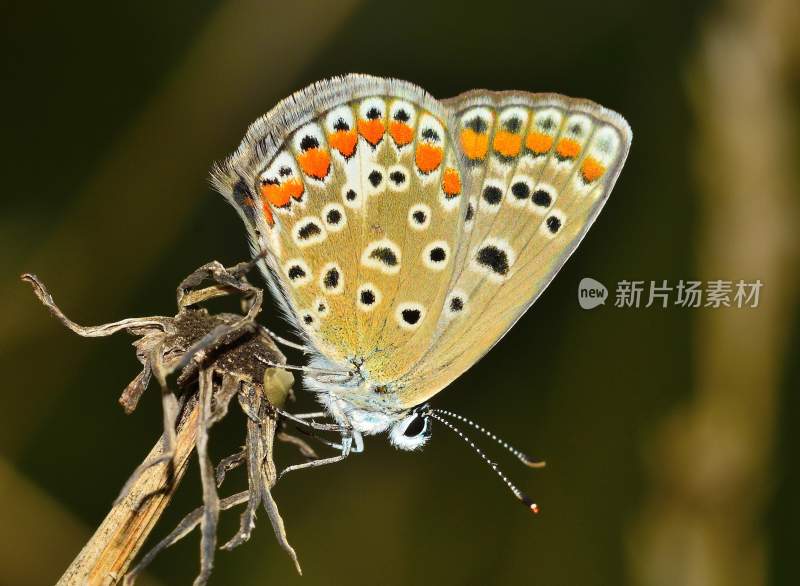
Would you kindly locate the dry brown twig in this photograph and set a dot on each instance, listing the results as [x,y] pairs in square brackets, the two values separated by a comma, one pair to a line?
[213,358]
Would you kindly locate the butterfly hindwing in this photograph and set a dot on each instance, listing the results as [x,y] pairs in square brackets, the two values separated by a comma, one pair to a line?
[542,167]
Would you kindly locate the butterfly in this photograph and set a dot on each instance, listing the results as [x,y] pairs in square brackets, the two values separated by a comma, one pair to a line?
[403,236]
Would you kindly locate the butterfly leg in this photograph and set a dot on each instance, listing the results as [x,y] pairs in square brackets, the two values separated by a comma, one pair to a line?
[303,420]
[347,442]
[311,415]
[358,439]
[287,343]
[307,369]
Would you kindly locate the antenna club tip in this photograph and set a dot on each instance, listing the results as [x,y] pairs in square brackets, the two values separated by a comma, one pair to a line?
[534,463]
[530,505]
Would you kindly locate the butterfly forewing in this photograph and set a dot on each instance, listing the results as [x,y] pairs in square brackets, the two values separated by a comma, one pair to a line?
[358,205]
[542,167]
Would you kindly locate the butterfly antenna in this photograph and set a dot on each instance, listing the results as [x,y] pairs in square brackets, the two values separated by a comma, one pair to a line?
[521,456]
[521,496]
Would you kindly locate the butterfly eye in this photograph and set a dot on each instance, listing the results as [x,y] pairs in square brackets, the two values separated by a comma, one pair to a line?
[413,431]
[416,427]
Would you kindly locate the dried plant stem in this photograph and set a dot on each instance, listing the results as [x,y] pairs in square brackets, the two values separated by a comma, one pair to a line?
[199,348]
[106,556]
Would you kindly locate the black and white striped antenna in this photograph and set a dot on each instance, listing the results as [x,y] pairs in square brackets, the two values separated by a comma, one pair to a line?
[440,415]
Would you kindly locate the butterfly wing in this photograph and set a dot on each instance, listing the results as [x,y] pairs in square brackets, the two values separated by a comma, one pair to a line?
[541,167]
[353,189]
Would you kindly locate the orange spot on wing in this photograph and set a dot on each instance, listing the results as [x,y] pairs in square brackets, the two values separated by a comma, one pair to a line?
[507,143]
[428,157]
[474,144]
[268,214]
[591,169]
[401,132]
[294,188]
[275,194]
[451,182]
[371,130]
[344,141]
[280,195]
[568,148]
[538,142]
[248,201]
[315,163]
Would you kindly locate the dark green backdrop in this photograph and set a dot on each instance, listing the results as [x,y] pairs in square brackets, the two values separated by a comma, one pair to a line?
[114,113]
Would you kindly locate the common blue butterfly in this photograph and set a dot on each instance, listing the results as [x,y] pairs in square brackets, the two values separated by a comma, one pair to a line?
[403,236]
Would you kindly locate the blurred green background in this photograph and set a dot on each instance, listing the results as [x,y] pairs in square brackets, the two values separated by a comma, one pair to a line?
[671,434]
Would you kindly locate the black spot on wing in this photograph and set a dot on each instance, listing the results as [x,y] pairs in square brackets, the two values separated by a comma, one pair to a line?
[520,190]
[411,316]
[492,195]
[375,178]
[541,198]
[333,217]
[308,142]
[430,134]
[437,254]
[470,213]
[367,297]
[385,255]
[307,231]
[296,272]
[331,279]
[493,258]
[553,224]
[477,124]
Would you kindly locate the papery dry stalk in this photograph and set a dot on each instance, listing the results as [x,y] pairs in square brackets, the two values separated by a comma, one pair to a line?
[215,358]
[106,556]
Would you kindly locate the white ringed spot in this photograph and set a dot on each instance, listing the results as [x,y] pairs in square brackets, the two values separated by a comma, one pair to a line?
[298,272]
[553,223]
[351,196]
[368,297]
[493,257]
[409,315]
[520,191]
[419,216]
[455,304]
[398,178]
[334,217]
[308,231]
[383,255]
[542,198]
[331,279]
[436,255]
